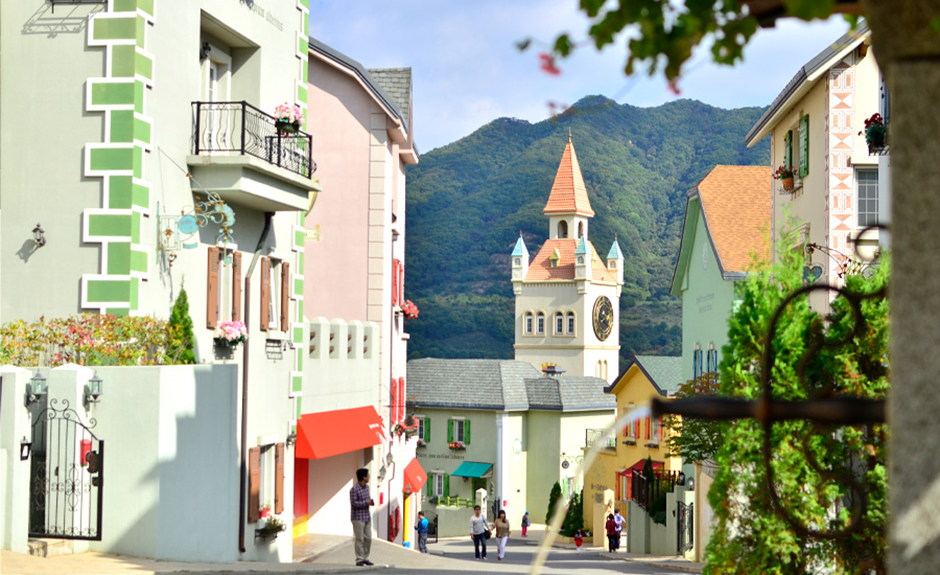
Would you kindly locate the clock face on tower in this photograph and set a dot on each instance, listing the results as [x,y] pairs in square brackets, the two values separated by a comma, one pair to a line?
[603,318]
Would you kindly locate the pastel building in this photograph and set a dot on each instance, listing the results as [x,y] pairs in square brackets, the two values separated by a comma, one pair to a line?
[567,309]
[841,187]
[354,269]
[502,426]
[170,171]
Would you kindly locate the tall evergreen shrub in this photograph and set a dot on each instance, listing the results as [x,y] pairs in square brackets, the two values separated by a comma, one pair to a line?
[553,498]
[181,325]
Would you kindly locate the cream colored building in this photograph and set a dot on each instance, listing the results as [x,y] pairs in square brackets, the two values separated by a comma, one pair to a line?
[568,296]
[840,187]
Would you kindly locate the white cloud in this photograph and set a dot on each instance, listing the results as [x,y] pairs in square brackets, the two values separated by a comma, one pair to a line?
[467,71]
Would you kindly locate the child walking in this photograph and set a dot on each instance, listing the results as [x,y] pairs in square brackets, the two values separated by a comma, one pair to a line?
[578,540]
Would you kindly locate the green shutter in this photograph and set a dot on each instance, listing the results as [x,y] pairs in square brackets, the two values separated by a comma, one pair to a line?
[788,149]
[450,431]
[430,484]
[466,432]
[447,486]
[804,146]
[427,430]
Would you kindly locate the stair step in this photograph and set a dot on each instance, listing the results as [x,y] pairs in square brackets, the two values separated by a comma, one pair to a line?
[50,547]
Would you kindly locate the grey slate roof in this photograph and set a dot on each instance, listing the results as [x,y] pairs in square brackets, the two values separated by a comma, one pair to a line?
[501,385]
[664,372]
[397,83]
[364,75]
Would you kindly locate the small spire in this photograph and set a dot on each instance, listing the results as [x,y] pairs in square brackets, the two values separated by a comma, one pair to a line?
[569,134]
[520,233]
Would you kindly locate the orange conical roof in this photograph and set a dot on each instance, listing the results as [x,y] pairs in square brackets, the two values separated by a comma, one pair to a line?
[568,192]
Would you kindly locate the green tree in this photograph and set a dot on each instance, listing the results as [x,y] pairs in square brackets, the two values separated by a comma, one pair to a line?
[181,324]
[812,466]
[553,498]
[574,518]
[695,440]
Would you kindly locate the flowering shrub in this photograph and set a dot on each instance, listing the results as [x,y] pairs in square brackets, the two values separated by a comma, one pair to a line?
[409,309]
[289,114]
[231,332]
[91,339]
[784,172]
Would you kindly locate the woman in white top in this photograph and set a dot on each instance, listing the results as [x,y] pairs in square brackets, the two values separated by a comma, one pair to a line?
[478,530]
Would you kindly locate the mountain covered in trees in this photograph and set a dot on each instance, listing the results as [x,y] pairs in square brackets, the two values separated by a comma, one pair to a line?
[469,201]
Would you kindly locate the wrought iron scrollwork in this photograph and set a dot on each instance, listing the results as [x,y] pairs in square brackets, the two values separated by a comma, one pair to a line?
[825,412]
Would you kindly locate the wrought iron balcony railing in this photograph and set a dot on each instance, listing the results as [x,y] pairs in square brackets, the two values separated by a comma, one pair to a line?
[239,127]
[591,435]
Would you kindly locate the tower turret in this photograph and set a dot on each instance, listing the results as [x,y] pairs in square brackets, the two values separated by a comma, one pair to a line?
[583,260]
[520,265]
[615,261]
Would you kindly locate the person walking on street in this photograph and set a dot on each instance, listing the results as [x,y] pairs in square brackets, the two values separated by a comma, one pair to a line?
[611,526]
[479,532]
[620,521]
[361,515]
[578,540]
[525,523]
[422,528]
[502,534]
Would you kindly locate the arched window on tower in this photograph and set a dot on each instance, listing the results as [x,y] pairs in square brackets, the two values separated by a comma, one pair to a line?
[540,323]
[580,230]
[570,323]
[528,322]
[559,323]
[562,229]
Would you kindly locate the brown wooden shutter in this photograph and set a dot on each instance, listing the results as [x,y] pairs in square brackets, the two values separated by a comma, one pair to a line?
[212,290]
[285,296]
[254,484]
[279,454]
[237,286]
[265,293]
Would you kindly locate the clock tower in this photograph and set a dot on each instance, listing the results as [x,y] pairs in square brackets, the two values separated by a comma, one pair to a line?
[567,296]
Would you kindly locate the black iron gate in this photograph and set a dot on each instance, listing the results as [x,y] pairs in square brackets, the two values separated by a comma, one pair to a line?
[66,476]
[686,527]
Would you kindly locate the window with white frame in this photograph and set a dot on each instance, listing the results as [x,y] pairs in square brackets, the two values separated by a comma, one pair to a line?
[460,428]
[570,323]
[559,323]
[866,182]
[274,300]
[529,322]
[697,361]
[540,323]
[439,484]
[266,476]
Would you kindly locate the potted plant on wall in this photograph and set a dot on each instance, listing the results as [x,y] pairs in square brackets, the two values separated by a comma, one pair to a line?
[785,174]
[409,309]
[875,133]
[288,118]
[271,528]
[456,446]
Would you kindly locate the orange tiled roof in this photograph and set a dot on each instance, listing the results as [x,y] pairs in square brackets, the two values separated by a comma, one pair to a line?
[736,202]
[568,192]
[541,267]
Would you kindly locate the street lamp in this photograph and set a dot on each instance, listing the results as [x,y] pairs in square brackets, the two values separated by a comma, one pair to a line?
[36,389]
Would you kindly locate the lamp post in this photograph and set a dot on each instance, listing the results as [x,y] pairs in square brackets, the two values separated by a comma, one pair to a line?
[36,389]
[39,235]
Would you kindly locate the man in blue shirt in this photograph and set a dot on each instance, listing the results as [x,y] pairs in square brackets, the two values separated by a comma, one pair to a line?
[422,528]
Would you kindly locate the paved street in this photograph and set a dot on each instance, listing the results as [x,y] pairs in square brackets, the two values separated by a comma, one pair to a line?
[457,555]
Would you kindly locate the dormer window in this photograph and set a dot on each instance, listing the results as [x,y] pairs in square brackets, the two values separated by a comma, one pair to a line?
[517,261]
[580,260]
[562,229]
[556,255]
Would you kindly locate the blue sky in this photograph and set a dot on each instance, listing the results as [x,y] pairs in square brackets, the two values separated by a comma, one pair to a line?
[467,71]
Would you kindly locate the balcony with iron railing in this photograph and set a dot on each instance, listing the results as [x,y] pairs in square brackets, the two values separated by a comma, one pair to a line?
[592,435]
[247,157]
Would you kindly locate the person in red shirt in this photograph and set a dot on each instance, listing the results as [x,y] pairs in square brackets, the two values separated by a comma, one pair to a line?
[612,533]
[578,540]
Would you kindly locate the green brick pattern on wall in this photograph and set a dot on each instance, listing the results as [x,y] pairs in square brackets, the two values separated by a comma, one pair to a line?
[299,234]
[120,33]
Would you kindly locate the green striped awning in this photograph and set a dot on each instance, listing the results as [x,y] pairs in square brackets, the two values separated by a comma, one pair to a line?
[473,469]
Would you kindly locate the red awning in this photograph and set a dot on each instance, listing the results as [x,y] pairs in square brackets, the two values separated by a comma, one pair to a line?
[639,467]
[415,477]
[331,433]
